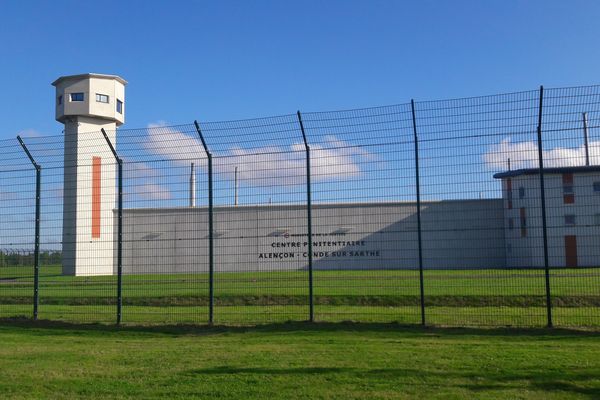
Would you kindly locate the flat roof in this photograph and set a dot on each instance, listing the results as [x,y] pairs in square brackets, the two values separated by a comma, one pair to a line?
[554,170]
[280,206]
[89,75]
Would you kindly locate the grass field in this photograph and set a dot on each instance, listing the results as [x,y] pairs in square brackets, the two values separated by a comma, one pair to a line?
[459,298]
[295,361]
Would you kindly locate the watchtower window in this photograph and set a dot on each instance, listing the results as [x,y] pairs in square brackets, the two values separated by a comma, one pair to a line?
[119,106]
[59,100]
[101,98]
[76,96]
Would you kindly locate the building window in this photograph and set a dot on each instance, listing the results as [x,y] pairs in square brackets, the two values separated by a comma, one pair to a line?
[521,192]
[101,98]
[570,219]
[569,198]
[523,222]
[597,187]
[76,96]
[568,194]
[59,100]
[511,224]
[596,219]
[119,106]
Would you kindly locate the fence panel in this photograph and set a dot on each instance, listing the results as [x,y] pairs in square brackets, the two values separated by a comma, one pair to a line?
[73,170]
[165,236]
[261,260]
[366,247]
[571,117]
[17,215]
[478,205]
[481,234]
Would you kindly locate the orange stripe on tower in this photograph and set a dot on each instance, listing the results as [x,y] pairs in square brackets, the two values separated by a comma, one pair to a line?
[96,195]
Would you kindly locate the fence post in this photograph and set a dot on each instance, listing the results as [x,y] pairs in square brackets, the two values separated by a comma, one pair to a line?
[418,189]
[36,251]
[211,254]
[543,205]
[309,222]
[119,230]
[585,139]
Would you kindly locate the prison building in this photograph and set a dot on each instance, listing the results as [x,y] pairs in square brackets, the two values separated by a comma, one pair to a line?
[470,233]
[572,216]
[457,234]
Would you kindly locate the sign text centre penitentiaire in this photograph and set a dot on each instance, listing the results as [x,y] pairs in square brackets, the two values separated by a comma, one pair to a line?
[287,246]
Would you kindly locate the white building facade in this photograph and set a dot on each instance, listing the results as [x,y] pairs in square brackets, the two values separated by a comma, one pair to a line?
[572,216]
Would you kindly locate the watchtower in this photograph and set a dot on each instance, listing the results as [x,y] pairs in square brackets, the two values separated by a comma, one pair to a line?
[85,104]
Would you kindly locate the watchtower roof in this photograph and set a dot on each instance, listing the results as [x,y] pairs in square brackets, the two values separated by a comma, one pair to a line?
[89,75]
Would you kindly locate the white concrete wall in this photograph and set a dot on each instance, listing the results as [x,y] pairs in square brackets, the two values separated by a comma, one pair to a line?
[456,234]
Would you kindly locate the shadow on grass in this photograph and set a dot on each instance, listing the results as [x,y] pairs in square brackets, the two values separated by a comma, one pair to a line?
[55,327]
[227,370]
[583,383]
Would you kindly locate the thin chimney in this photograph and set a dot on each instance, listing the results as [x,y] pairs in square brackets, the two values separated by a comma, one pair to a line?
[192,187]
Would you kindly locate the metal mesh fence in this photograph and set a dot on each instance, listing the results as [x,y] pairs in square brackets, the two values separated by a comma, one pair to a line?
[464,212]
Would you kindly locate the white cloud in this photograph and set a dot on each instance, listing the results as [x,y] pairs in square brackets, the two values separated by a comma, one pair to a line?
[57,193]
[149,191]
[7,195]
[525,155]
[335,160]
[332,160]
[172,144]
[29,133]
[138,178]
[138,170]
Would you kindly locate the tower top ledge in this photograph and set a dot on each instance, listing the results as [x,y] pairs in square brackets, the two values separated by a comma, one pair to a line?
[87,76]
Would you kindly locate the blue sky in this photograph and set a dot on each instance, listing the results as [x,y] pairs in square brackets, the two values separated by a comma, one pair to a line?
[238,59]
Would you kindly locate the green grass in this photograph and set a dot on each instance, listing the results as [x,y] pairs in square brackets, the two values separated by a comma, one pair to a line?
[295,361]
[438,282]
[459,298]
